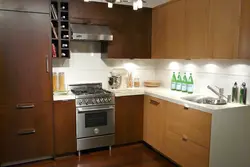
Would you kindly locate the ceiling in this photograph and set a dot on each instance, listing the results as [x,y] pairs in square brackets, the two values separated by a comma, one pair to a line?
[150,3]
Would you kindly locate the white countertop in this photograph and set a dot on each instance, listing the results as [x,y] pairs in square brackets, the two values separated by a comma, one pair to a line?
[64,97]
[164,94]
[174,97]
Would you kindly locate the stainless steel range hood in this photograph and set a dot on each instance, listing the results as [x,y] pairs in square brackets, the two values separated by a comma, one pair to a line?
[91,32]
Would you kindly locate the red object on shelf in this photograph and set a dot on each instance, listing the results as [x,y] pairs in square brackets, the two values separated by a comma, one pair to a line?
[53,50]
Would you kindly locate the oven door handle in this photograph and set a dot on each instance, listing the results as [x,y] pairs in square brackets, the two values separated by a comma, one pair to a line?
[80,110]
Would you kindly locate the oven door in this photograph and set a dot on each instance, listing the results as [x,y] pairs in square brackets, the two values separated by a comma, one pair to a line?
[95,121]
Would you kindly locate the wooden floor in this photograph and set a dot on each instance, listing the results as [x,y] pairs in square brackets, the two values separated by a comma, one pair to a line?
[137,155]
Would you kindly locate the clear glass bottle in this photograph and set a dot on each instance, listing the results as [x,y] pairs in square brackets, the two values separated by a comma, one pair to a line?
[55,76]
[61,81]
[136,82]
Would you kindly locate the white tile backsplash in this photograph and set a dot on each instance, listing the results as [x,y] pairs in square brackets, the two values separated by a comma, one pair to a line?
[86,65]
[222,73]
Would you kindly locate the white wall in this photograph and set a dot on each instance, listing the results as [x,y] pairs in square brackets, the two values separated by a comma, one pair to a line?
[222,73]
[87,66]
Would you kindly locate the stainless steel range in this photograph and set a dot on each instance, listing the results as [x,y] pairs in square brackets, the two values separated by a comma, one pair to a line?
[95,116]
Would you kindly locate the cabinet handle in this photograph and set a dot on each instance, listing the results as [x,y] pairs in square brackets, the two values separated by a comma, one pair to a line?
[23,106]
[47,63]
[154,102]
[184,138]
[26,131]
[186,107]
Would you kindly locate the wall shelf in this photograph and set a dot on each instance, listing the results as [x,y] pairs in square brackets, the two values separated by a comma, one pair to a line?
[60,32]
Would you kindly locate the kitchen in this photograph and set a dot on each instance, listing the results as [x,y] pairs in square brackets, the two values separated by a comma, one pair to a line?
[208,38]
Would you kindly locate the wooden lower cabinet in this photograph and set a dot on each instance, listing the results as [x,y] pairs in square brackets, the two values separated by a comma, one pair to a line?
[65,127]
[179,133]
[194,124]
[129,119]
[26,133]
[184,152]
[154,122]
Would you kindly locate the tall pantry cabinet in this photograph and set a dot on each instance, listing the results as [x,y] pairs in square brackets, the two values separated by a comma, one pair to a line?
[26,91]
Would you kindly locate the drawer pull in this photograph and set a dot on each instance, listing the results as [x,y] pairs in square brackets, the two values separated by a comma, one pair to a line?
[186,107]
[184,138]
[26,131]
[154,102]
[23,106]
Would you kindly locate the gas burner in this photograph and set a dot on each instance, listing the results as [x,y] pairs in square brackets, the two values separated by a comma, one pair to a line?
[91,95]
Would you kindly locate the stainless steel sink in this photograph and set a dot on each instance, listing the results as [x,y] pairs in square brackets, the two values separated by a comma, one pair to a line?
[205,100]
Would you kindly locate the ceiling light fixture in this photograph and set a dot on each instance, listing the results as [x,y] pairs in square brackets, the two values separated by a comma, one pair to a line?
[86,0]
[139,4]
[135,5]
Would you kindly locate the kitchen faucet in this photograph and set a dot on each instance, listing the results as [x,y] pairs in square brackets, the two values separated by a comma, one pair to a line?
[220,94]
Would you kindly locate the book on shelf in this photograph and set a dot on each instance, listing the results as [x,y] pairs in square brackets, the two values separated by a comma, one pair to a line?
[54,30]
[53,50]
[54,12]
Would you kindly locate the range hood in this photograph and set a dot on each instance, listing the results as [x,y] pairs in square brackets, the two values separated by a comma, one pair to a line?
[91,32]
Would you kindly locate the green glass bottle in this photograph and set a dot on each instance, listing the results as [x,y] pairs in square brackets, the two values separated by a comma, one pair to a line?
[173,82]
[184,83]
[178,82]
[190,84]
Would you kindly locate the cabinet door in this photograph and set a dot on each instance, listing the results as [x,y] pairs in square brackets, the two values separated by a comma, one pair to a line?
[185,152]
[244,43]
[159,32]
[193,124]
[175,26]
[65,127]
[196,29]
[154,122]
[129,119]
[25,66]
[26,133]
[39,6]
[224,28]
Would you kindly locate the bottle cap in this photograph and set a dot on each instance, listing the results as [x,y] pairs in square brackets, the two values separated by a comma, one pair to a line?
[235,84]
[244,84]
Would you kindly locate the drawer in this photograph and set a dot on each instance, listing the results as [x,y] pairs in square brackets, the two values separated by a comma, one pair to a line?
[185,152]
[195,124]
[28,133]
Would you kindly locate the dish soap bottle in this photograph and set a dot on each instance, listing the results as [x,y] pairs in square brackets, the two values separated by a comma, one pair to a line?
[190,84]
[178,82]
[184,83]
[173,82]
[235,93]
[243,93]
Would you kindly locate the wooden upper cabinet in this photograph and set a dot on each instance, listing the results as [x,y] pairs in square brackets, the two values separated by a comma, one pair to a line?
[159,32]
[65,127]
[25,66]
[131,29]
[129,119]
[175,27]
[244,41]
[168,31]
[39,6]
[196,29]
[224,28]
